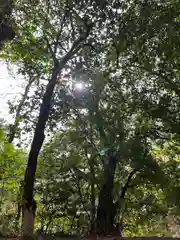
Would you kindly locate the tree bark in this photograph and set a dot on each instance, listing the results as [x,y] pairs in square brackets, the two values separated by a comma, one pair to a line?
[28,199]
[106,211]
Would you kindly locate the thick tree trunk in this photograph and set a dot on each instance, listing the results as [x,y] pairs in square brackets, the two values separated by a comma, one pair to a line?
[29,205]
[28,220]
[106,209]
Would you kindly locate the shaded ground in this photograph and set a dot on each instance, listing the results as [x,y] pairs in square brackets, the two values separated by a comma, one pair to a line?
[76,238]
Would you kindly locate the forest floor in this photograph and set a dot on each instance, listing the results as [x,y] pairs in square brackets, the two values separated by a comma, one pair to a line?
[108,238]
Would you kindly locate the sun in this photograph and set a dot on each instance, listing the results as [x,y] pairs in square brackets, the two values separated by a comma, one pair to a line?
[79,86]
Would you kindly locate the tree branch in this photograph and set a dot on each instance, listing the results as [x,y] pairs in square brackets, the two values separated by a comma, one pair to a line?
[60,31]
[124,189]
[16,121]
[50,49]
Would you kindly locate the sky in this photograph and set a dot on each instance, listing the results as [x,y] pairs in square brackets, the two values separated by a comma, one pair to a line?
[11,86]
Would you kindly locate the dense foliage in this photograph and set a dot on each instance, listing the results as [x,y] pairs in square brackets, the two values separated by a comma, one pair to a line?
[110,71]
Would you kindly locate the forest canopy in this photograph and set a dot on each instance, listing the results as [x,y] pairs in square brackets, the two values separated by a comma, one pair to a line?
[95,141]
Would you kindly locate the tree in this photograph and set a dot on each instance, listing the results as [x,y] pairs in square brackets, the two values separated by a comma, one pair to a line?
[11,176]
[119,119]
[128,69]
[80,28]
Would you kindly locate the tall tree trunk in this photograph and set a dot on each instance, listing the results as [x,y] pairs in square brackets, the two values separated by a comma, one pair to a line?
[106,211]
[29,205]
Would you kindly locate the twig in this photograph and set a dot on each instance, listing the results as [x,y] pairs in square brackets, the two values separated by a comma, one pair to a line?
[60,31]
